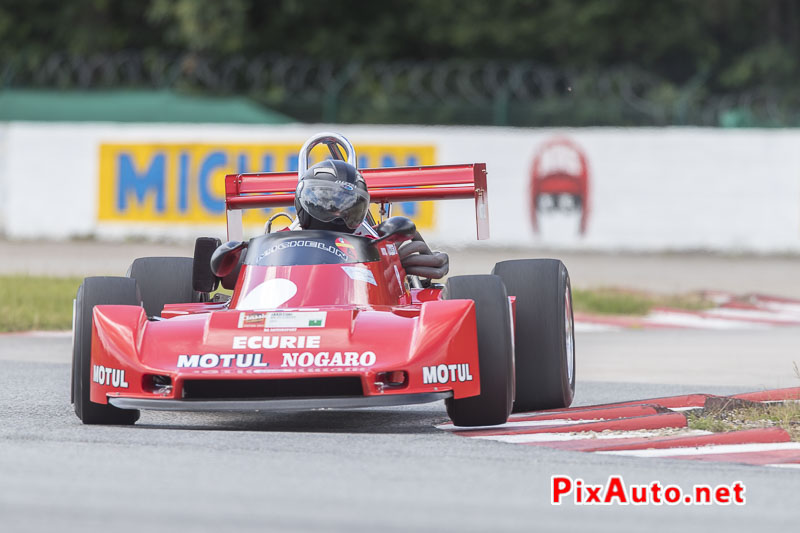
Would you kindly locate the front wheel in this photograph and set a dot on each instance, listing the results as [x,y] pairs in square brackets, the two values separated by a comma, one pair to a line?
[495,352]
[164,280]
[92,292]
[544,332]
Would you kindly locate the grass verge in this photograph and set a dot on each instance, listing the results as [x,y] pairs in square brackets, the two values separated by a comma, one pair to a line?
[784,415]
[629,302]
[45,303]
[36,303]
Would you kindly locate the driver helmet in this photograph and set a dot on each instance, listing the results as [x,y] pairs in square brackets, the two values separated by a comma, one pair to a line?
[331,195]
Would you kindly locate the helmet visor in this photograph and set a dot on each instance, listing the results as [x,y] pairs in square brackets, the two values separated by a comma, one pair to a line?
[326,201]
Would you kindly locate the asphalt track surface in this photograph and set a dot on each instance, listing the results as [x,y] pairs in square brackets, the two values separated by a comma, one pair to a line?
[383,469]
[374,469]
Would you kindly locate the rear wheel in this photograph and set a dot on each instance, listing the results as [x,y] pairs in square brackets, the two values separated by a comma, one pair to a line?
[544,332]
[92,292]
[164,280]
[495,351]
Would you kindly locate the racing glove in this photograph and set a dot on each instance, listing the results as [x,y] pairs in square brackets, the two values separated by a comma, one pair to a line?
[418,259]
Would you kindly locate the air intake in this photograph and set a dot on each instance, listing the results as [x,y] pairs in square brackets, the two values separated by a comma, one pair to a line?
[251,389]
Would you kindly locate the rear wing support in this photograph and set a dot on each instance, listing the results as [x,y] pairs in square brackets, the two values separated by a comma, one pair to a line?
[386,185]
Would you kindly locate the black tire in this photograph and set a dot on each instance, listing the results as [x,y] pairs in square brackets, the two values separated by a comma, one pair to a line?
[495,352]
[164,280]
[544,333]
[92,292]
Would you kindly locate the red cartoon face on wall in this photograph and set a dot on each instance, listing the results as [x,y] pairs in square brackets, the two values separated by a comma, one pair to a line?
[559,181]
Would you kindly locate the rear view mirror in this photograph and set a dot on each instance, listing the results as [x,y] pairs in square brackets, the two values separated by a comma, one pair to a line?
[396,229]
[203,279]
[226,257]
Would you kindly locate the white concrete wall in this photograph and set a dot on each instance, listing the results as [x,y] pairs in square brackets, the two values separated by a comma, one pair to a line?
[649,189]
[3,180]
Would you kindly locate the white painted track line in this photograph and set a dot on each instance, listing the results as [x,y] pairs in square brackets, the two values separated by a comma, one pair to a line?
[752,314]
[554,437]
[709,450]
[520,424]
[686,320]
[591,327]
[45,334]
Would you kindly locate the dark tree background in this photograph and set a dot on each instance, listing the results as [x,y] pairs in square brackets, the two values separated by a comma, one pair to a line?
[731,46]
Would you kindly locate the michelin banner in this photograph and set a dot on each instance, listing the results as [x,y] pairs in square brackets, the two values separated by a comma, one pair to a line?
[184,184]
[593,188]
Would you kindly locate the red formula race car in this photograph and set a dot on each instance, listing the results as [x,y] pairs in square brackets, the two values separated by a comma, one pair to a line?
[319,319]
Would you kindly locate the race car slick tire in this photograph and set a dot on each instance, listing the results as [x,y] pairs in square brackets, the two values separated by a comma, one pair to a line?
[495,351]
[165,280]
[544,337]
[92,292]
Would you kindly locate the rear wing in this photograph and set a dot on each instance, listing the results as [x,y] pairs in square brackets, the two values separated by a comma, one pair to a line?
[386,185]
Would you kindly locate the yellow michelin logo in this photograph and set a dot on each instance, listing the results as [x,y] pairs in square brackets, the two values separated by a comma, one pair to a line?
[185,183]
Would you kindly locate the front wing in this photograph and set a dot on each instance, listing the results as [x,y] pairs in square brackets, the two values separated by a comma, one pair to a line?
[337,357]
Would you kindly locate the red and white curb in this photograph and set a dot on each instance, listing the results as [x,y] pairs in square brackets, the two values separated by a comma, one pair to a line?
[753,311]
[655,427]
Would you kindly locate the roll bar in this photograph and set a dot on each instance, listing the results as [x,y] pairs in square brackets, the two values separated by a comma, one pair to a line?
[332,141]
